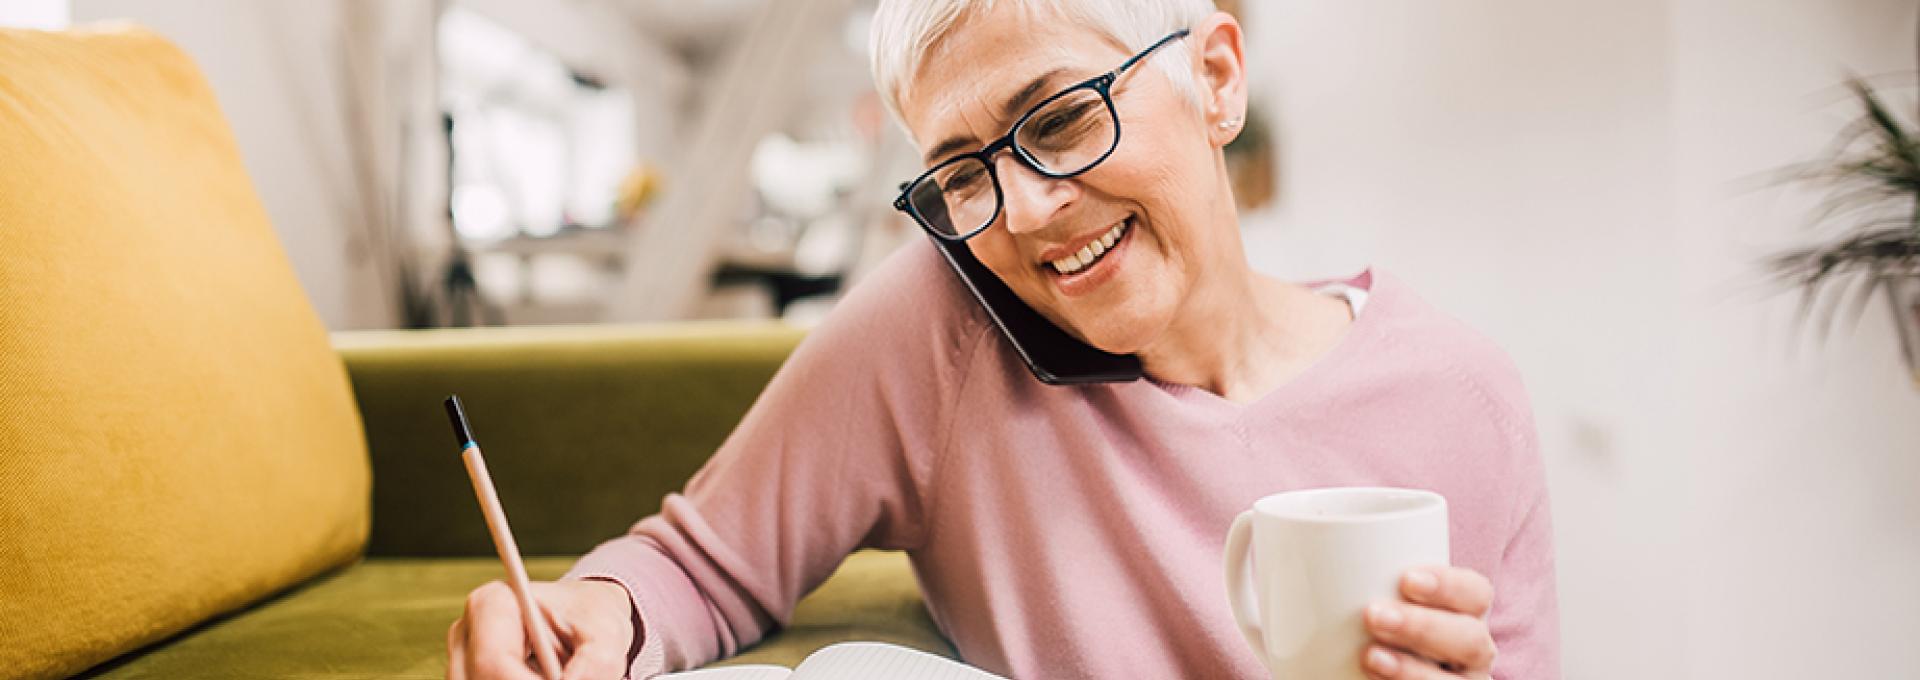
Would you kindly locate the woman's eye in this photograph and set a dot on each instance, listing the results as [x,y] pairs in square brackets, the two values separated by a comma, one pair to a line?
[962,180]
[1058,123]
[1061,126]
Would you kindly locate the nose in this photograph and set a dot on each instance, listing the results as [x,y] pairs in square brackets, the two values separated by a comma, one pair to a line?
[1032,199]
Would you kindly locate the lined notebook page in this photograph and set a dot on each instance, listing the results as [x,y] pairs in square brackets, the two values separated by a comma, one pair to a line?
[880,661]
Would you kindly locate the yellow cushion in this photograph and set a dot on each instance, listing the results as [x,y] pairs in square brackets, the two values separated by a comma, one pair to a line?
[176,437]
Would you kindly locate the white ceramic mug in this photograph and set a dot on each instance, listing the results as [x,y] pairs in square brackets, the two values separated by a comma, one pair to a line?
[1320,556]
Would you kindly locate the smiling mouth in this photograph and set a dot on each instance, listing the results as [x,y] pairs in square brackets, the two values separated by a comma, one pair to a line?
[1092,252]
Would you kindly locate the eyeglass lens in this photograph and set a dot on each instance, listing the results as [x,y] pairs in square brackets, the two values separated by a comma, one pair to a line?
[1064,136]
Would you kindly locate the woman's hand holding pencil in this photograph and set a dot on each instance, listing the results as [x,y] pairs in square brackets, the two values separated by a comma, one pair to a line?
[571,630]
[591,619]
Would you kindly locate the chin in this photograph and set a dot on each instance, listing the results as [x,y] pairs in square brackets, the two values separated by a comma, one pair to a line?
[1118,333]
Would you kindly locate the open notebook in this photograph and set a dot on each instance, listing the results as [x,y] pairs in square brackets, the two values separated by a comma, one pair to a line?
[850,661]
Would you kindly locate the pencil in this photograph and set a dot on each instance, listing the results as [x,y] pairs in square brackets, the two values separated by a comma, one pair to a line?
[530,614]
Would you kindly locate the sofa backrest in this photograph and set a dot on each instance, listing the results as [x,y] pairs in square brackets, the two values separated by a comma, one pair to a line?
[586,428]
[177,439]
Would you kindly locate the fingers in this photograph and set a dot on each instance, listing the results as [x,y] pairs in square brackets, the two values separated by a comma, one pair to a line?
[1443,636]
[587,622]
[596,658]
[587,651]
[1454,589]
[457,650]
[496,637]
[1382,663]
[601,631]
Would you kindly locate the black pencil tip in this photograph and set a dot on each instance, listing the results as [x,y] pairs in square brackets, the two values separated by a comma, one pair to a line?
[462,434]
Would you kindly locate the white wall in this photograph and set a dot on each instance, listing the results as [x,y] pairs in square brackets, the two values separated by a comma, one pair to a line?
[1569,177]
[1807,459]
[272,66]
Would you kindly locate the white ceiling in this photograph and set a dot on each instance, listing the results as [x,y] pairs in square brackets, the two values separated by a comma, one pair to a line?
[687,23]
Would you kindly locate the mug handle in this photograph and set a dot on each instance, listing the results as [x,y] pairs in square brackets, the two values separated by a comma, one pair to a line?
[1240,597]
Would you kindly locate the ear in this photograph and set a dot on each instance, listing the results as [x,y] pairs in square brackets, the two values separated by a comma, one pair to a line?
[1222,76]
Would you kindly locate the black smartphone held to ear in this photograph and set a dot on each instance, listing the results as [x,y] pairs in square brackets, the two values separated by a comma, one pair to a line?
[1055,357]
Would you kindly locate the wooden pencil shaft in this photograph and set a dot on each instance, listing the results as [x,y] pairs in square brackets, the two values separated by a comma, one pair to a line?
[531,616]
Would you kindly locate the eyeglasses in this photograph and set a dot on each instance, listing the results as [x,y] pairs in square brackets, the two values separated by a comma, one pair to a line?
[1064,135]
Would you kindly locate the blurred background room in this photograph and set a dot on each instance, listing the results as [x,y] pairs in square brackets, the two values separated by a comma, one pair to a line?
[1598,186]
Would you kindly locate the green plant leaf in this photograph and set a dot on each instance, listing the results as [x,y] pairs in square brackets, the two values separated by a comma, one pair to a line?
[1872,213]
[1883,120]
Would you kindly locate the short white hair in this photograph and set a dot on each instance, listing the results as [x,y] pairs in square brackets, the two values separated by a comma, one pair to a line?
[905,30]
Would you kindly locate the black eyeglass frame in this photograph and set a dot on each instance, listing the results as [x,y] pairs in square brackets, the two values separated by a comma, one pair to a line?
[1102,84]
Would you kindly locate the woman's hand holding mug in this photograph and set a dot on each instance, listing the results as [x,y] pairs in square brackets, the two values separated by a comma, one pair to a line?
[1439,631]
[1303,566]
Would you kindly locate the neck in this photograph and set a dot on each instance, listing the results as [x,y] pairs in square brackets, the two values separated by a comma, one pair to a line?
[1243,334]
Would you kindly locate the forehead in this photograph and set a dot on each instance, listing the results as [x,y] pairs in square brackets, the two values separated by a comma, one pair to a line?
[986,58]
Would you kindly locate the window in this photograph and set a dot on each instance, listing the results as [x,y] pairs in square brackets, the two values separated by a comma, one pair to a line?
[42,14]
[537,147]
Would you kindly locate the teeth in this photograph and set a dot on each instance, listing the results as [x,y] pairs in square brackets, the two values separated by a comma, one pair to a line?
[1090,252]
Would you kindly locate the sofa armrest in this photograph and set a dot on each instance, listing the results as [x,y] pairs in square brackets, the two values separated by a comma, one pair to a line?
[585,428]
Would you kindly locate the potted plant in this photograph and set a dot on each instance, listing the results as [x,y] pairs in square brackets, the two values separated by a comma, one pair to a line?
[1873,175]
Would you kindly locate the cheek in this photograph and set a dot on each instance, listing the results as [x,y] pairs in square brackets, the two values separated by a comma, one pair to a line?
[994,248]
[1156,168]
[1168,183]
[1156,190]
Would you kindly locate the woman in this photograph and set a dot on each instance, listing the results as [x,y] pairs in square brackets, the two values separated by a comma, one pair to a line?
[1075,532]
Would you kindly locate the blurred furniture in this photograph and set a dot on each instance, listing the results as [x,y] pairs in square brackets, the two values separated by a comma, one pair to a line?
[786,284]
[200,482]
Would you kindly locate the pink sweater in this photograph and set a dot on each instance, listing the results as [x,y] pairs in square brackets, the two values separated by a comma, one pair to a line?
[1076,532]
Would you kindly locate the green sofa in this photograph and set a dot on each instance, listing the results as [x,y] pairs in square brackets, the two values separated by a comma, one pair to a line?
[585,429]
[197,481]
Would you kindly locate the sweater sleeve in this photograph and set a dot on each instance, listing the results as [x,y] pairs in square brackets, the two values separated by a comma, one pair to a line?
[834,456]
[1525,620]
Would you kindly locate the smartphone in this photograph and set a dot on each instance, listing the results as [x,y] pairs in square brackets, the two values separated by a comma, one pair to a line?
[1053,356]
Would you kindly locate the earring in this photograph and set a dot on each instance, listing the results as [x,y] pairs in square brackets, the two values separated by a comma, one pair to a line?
[1231,123]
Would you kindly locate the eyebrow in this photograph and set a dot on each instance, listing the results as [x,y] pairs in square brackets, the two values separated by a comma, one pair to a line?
[1010,109]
